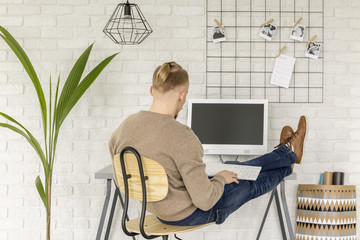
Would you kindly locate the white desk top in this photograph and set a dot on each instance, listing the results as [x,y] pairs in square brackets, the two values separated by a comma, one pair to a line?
[107,173]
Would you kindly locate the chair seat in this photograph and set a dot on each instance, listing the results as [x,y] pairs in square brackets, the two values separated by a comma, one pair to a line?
[153,226]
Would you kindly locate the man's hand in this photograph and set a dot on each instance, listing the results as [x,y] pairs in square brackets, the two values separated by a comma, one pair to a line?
[229,176]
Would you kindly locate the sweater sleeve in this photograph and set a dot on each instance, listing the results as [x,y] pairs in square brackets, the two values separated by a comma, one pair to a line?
[204,192]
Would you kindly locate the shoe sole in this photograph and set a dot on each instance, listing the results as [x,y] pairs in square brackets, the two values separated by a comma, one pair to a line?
[306,131]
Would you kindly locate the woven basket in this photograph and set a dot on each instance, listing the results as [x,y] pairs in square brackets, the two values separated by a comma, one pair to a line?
[326,212]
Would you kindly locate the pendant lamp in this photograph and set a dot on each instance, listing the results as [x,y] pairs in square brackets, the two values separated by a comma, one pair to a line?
[127,25]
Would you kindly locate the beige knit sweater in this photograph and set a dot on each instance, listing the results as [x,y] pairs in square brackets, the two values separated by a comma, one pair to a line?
[176,147]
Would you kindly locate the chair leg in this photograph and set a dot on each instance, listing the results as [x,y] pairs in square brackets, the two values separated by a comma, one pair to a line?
[177,237]
[165,237]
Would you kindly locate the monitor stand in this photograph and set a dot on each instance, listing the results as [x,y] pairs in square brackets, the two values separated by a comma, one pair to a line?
[222,160]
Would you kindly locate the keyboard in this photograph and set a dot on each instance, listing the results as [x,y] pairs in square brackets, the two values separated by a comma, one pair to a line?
[244,172]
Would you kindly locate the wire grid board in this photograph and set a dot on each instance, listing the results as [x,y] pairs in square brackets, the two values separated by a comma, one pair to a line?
[241,67]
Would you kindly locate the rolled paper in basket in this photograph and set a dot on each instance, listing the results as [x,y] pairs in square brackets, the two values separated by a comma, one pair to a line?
[338,178]
[328,178]
[321,181]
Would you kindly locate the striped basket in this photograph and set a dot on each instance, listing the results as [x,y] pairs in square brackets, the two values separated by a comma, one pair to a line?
[326,212]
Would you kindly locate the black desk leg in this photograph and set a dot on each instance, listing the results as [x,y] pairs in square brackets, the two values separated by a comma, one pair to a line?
[278,207]
[112,210]
[122,205]
[265,215]
[286,210]
[113,205]
[103,213]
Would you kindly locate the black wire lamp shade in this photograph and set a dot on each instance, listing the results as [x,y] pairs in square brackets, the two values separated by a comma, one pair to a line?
[127,25]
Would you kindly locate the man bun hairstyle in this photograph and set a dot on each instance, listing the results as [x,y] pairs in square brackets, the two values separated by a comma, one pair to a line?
[169,76]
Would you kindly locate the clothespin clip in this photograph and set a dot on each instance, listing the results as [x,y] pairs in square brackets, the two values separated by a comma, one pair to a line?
[269,21]
[217,22]
[297,22]
[281,51]
[311,40]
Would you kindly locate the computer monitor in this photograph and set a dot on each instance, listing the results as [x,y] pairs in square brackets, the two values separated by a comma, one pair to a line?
[230,126]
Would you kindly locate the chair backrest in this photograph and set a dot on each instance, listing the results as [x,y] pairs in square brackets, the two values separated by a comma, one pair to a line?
[139,178]
[156,179]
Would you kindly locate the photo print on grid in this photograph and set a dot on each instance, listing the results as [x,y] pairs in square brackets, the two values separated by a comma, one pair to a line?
[313,50]
[218,34]
[298,32]
[268,31]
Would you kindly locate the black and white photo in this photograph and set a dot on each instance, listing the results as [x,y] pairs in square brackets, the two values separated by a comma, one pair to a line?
[218,34]
[268,31]
[313,50]
[298,32]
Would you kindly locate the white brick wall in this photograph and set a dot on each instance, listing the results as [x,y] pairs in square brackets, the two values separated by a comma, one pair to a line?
[54,33]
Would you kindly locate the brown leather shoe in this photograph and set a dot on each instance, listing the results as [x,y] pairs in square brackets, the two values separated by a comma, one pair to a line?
[297,140]
[285,135]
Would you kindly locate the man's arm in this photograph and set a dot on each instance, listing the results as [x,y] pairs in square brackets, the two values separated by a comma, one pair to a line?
[204,192]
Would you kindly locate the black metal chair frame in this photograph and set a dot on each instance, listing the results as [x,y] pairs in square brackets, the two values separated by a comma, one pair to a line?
[126,195]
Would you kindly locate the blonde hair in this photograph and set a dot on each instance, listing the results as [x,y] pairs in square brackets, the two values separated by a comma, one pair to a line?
[169,76]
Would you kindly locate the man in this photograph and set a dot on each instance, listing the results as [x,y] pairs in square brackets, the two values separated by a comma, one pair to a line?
[193,198]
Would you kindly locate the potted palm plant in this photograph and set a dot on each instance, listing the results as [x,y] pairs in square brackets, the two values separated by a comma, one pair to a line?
[53,113]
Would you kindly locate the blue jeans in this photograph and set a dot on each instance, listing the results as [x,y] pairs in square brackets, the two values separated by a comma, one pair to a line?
[275,167]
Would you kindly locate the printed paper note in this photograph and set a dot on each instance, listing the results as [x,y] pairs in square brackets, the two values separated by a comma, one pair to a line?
[282,72]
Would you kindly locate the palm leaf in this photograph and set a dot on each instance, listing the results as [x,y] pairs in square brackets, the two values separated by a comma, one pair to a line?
[19,131]
[40,188]
[55,131]
[72,82]
[19,52]
[56,96]
[50,118]
[86,83]
[31,139]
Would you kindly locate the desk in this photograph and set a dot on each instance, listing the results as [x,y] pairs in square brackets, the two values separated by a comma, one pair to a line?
[107,173]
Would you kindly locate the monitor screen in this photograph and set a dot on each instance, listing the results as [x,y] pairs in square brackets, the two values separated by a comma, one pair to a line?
[230,126]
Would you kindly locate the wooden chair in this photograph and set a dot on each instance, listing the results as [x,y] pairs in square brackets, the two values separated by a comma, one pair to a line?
[132,173]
